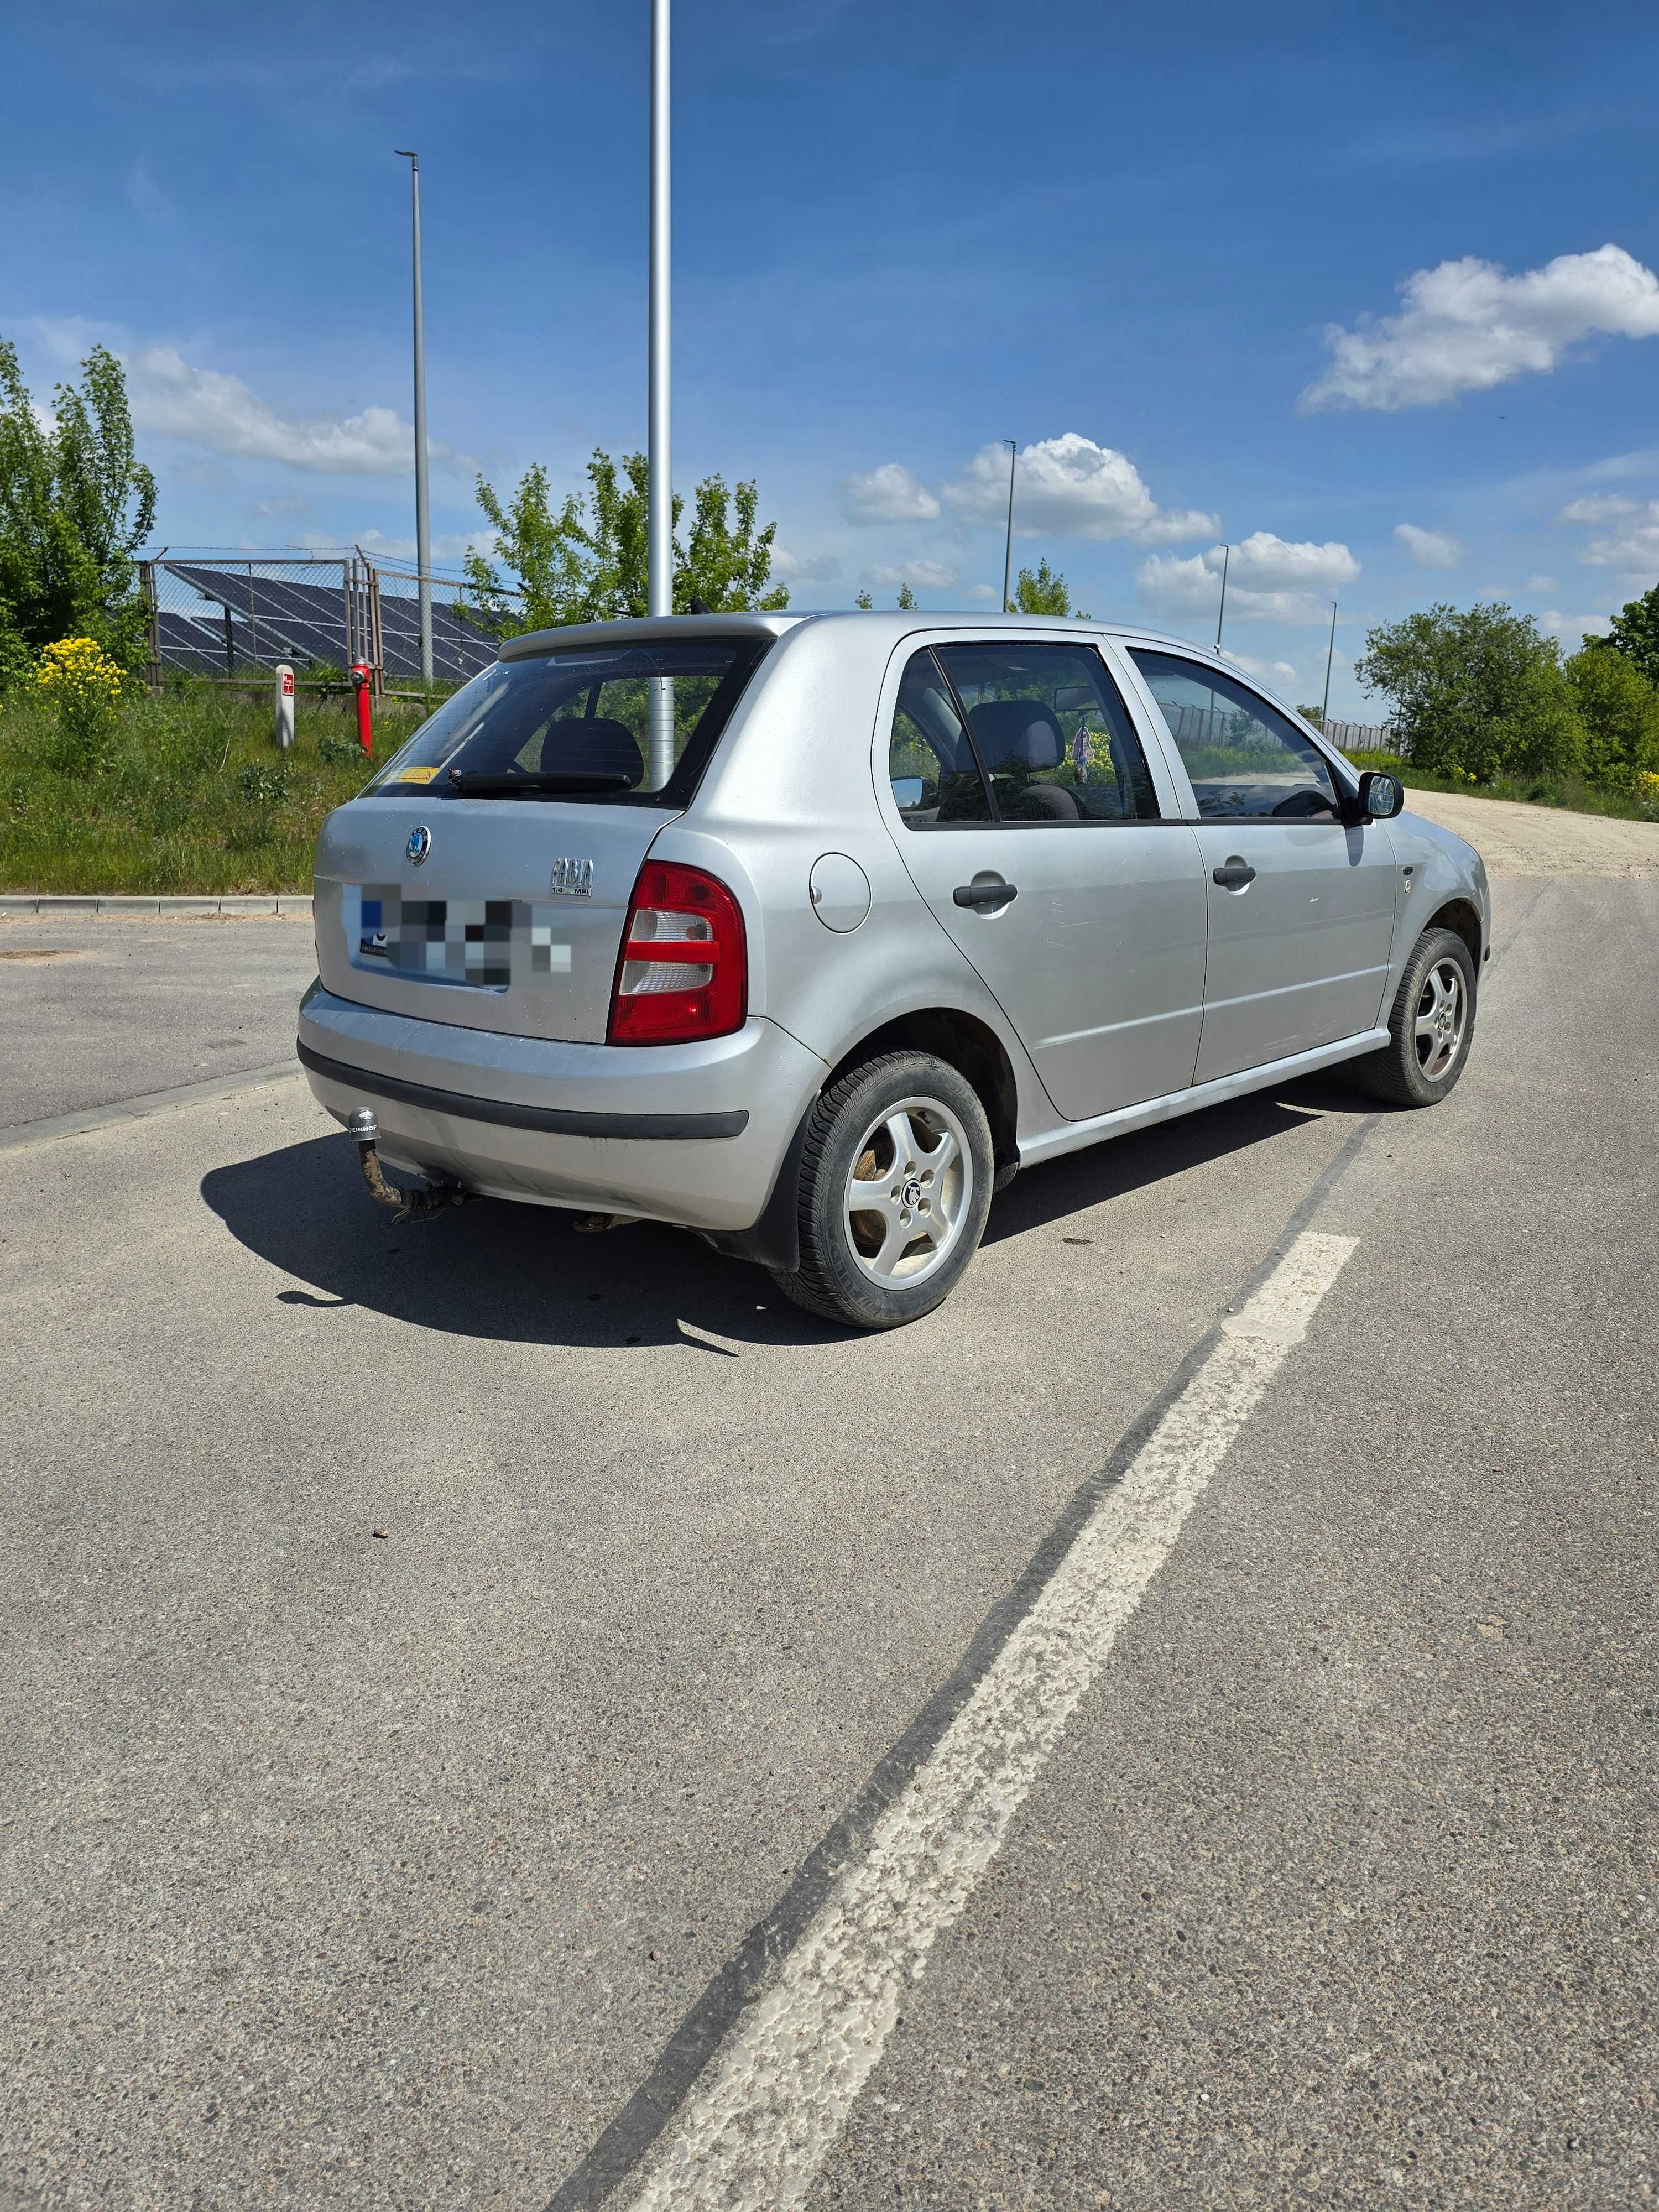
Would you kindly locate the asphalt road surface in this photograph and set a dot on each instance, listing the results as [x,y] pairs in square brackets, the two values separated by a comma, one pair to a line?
[429,1653]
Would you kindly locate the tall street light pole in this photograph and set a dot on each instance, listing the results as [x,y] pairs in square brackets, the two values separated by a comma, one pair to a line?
[422,512]
[1008,542]
[1330,654]
[660,556]
[1221,611]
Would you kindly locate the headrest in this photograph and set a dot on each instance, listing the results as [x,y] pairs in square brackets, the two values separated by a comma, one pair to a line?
[598,746]
[1017,734]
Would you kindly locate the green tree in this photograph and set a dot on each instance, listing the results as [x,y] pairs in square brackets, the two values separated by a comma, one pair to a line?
[586,561]
[864,600]
[1620,710]
[76,504]
[1313,714]
[1476,692]
[1043,591]
[1634,634]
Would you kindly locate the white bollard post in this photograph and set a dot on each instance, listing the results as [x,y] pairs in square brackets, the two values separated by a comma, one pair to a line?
[284,706]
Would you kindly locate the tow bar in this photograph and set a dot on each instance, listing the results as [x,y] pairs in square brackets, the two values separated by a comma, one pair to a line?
[365,1131]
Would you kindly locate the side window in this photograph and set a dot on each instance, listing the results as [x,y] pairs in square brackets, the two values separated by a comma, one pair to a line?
[1051,733]
[936,780]
[1243,755]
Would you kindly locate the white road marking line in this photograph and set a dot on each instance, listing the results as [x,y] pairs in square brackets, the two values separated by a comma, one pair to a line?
[776,2098]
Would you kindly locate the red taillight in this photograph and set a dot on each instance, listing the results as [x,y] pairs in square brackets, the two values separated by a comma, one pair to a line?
[684,972]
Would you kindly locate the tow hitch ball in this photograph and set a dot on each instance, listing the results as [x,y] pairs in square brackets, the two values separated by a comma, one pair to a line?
[365,1131]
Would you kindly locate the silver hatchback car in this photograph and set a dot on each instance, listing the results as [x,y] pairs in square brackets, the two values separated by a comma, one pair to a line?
[807,932]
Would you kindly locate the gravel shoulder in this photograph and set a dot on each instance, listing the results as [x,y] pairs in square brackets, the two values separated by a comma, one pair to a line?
[1515,839]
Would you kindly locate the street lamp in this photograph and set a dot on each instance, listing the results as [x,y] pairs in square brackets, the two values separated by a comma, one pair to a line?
[1008,542]
[659,513]
[1330,654]
[423,517]
[1221,611]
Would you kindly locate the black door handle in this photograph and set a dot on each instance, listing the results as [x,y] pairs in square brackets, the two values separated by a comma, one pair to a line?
[984,894]
[1233,874]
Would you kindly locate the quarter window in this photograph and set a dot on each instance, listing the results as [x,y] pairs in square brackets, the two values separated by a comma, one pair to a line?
[935,778]
[1243,757]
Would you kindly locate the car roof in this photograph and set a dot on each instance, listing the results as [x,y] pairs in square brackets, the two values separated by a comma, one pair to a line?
[898,625]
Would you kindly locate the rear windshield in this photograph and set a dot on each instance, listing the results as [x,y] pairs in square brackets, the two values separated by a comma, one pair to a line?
[616,725]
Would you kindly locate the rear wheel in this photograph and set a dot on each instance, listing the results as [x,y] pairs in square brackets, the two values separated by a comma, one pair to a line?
[894,1186]
[1429,1025]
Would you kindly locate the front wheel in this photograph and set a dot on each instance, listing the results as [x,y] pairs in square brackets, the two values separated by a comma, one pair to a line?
[1430,1026]
[894,1186]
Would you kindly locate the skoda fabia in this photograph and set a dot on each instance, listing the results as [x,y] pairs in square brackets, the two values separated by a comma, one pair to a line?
[806,933]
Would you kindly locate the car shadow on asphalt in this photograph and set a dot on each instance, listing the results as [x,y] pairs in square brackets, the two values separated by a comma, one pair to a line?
[524,1274]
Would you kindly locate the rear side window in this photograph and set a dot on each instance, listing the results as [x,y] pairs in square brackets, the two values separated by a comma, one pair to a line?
[1242,755]
[1012,733]
[615,724]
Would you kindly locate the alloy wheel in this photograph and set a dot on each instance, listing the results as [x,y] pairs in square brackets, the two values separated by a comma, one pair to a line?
[1441,1004]
[910,1193]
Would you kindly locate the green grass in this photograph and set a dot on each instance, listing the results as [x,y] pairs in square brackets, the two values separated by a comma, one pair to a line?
[1570,792]
[183,792]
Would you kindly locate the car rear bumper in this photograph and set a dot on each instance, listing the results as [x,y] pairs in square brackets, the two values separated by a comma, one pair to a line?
[691,1133]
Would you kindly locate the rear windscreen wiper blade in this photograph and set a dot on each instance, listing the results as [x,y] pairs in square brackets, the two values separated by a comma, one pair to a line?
[485,783]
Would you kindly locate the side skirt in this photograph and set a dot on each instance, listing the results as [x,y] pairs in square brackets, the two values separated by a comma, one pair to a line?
[1073,1136]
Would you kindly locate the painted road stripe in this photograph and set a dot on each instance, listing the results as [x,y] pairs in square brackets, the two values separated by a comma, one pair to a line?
[765,2119]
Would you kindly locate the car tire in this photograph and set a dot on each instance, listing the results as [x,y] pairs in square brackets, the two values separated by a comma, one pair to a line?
[907,1133]
[1430,1026]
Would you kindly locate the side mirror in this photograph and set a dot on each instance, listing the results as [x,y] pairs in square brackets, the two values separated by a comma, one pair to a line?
[1381,796]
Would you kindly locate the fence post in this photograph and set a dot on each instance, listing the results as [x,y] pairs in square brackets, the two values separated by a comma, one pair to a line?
[284,706]
[153,624]
[376,657]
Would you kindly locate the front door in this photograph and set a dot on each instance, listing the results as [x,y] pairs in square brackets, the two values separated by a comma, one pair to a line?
[1030,822]
[1301,903]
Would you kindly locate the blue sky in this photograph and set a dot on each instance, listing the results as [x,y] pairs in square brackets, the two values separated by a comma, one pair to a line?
[1330,285]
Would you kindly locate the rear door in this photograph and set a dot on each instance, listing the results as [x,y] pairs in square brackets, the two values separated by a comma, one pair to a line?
[1301,904]
[1031,820]
[484,878]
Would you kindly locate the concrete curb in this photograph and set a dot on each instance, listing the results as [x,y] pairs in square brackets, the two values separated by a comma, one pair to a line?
[22,1134]
[288,906]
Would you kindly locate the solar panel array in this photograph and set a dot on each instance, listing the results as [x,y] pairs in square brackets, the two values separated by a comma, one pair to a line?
[224,620]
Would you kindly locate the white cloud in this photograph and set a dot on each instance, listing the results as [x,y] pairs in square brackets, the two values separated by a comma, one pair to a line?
[889,493]
[1572,628]
[818,570]
[1541,584]
[449,547]
[1268,580]
[204,407]
[1260,668]
[922,575]
[983,595]
[1070,487]
[1631,543]
[1466,326]
[1283,668]
[1600,507]
[1427,547]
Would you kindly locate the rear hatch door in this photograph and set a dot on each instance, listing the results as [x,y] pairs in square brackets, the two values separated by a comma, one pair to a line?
[510,919]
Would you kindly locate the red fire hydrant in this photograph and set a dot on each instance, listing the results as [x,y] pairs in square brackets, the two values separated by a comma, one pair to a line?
[362,676]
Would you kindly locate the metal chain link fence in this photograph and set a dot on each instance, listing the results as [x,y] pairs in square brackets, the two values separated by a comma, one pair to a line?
[231,617]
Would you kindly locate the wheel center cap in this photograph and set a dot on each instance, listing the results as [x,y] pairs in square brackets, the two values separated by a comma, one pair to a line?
[912,1193]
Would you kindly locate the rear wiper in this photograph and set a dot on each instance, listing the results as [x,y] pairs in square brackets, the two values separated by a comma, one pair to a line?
[492,784]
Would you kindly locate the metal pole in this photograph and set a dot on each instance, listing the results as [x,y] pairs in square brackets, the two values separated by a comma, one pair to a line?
[660,556]
[1226,554]
[422,516]
[1008,541]
[1330,654]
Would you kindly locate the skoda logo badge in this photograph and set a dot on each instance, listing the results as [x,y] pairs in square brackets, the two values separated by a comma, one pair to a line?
[419,845]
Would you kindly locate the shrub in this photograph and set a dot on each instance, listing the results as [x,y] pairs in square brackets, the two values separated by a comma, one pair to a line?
[1477,693]
[1620,710]
[83,685]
